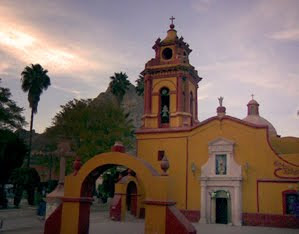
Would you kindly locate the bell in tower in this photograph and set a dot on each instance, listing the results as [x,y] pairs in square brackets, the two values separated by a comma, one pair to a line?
[170,85]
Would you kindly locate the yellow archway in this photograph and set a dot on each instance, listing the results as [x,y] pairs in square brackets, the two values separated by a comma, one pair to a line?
[161,214]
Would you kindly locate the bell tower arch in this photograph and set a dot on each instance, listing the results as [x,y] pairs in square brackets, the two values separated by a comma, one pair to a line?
[170,84]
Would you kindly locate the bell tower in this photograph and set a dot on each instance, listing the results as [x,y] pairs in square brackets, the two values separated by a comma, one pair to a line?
[170,85]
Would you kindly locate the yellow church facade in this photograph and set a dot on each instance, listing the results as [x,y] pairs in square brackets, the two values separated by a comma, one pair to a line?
[223,169]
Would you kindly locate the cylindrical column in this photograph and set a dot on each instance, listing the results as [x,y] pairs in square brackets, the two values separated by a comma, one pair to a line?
[146,95]
[237,215]
[187,94]
[196,103]
[62,169]
[179,94]
[203,201]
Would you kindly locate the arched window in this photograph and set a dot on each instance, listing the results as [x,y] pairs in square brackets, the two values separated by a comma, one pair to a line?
[165,104]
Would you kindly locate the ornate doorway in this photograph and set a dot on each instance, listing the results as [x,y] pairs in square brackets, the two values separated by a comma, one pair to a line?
[220,181]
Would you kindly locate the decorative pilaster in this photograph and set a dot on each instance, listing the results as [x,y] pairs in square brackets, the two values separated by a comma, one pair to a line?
[203,201]
[237,213]
[196,105]
[179,93]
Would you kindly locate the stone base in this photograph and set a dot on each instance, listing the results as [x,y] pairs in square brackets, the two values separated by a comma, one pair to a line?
[53,199]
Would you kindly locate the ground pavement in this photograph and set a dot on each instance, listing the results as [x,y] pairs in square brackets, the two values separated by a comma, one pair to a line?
[25,221]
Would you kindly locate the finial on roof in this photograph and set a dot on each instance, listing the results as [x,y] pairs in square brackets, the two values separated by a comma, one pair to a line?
[252,96]
[220,99]
[172,25]
[221,109]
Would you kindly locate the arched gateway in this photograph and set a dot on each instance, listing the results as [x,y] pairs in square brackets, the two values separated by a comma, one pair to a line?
[161,214]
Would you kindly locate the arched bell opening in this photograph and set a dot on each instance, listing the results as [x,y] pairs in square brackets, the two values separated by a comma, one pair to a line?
[164,117]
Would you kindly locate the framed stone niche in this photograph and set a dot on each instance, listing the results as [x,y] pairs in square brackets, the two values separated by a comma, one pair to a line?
[221,175]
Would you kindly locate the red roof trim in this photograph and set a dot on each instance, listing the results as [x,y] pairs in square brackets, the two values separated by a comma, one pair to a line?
[226,117]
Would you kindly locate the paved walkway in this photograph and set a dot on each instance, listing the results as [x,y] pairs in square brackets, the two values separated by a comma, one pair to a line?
[25,221]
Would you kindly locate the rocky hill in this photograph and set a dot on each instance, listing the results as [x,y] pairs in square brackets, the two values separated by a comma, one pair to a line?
[131,104]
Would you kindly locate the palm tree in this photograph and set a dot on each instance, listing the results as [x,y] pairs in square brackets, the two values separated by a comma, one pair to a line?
[34,81]
[119,84]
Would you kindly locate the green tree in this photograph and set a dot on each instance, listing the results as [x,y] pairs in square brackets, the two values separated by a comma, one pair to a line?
[12,154]
[92,128]
[119,84]
[24,179]
[34,81]
[10,114]
[140,85]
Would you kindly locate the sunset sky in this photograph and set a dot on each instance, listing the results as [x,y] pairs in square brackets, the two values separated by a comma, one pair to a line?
[240,47]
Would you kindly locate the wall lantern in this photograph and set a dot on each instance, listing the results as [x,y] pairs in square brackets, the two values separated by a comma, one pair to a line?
[193,167]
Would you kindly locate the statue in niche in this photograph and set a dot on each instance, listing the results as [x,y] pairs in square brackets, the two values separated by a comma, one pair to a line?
[165,112]
[220,164]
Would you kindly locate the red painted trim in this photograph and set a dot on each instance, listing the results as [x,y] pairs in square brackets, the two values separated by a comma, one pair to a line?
[115,208]
[188,129]
[226,117]
[269,181]
[159,203]
[276,181]
[191,215]
[284,203]
[196,104]
[282,177]
[187,162]
[176,222]
[270,220]
[178,91]
[118,148]
[277,155]
[257,197]
[53,222]
[78,199]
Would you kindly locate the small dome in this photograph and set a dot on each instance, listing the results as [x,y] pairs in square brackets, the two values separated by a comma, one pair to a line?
[171,36]
[252,102]
[254,117]
[258,120]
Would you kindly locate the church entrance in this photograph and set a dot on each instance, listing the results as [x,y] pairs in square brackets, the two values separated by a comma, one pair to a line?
[221,210]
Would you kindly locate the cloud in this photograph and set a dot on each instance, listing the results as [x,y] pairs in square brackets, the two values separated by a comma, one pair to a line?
[77,93]
[286,35]
[3,67]
[30,48]
[201,5]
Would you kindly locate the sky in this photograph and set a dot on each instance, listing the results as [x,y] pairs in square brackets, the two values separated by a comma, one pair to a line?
[240,47]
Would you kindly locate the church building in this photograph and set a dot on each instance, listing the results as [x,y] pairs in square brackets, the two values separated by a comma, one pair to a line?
[222,169]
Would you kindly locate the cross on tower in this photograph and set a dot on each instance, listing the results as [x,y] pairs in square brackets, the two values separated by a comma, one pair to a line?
[172,18]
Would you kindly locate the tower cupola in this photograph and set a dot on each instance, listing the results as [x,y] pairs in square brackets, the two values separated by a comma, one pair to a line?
[170,84]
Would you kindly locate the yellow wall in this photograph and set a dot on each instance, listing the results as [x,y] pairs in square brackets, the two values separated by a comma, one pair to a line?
[270,194]
[177,171]
[251,148]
